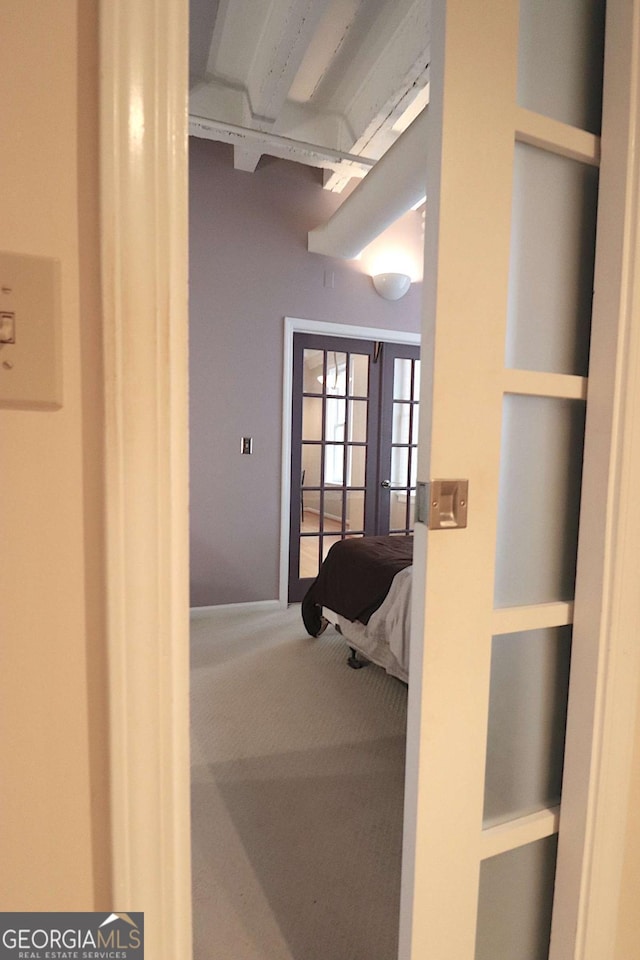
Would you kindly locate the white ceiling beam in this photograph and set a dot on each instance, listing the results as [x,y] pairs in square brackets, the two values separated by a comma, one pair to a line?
[246,157]
[283,44]
[389,72]
[306,122]
[394,186]
[336,28]
[375,63]
[277,145]
[238,29]
[217,100]
[384,129]
[385,70]
[220,102]
[219,112]
[335,181]
[202,21]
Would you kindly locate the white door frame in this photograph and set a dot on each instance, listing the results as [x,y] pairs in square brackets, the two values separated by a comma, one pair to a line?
[143,67]
[143,170]
[319,327]
[605,665]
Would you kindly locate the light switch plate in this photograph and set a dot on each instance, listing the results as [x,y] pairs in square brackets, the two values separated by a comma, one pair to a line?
[30,360]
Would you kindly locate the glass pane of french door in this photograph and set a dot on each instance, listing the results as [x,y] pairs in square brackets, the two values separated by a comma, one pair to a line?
[515,903]
[399,438]
[334,449]
[354,445]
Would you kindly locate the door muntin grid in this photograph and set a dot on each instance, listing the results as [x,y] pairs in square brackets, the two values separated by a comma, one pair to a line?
[350,393]
[334,495]
[333,451]
[399,443]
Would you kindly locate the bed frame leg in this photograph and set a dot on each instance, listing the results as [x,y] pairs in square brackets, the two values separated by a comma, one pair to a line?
[354,660]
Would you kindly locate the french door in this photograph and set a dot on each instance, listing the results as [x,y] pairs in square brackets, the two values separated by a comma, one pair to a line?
[512,195]
[354,439]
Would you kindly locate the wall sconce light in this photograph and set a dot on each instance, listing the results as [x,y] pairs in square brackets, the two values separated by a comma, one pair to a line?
[391,286]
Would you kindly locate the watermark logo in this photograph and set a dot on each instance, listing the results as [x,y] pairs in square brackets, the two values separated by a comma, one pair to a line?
[71,936]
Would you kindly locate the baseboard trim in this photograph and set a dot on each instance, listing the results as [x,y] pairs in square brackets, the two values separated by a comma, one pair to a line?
[197,613]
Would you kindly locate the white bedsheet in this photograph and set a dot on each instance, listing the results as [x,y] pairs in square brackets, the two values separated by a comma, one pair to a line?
[385,639]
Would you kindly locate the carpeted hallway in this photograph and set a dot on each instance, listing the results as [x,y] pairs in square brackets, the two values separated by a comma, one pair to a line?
[297,786]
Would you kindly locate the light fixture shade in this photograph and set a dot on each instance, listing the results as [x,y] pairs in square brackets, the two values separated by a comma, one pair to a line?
[391,286]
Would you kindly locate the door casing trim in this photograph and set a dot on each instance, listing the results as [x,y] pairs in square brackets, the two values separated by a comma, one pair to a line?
[143,67]
[602,722]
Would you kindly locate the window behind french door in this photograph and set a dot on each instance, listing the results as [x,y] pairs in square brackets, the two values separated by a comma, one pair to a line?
[354,446]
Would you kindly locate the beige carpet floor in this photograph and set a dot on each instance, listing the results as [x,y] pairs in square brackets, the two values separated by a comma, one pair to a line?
[297,791]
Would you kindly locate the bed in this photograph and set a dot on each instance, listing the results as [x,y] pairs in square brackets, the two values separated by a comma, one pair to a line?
[364,589]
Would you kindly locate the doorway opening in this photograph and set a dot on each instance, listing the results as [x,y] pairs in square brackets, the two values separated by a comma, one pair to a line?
[303,694]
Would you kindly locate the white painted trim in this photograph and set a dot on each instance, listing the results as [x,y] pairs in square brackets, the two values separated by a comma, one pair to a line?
[278,145]
[556,137]
[464,318]
[320,328]
[535,384]
[535,617]
[516,833]
[349,330]
[143,223]
[605,669]
[285,489]
[250,606]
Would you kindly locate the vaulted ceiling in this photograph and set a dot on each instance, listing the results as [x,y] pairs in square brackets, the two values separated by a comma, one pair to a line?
[328,83]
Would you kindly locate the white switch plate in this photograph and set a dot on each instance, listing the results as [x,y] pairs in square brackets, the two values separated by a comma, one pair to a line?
[31,366]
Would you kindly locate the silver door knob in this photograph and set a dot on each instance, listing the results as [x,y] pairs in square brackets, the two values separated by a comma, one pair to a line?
[385,483]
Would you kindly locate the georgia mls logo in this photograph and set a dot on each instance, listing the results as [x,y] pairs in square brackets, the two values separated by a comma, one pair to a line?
[71,936]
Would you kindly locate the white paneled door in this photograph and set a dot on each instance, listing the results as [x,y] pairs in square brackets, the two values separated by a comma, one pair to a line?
[513,158]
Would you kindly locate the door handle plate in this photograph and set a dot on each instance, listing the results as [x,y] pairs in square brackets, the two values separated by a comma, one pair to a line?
[442,504]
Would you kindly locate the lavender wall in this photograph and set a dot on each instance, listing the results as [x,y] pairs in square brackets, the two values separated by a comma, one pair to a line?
[249,268]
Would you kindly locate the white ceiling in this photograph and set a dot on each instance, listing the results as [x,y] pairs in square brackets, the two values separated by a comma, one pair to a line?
[329,83]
